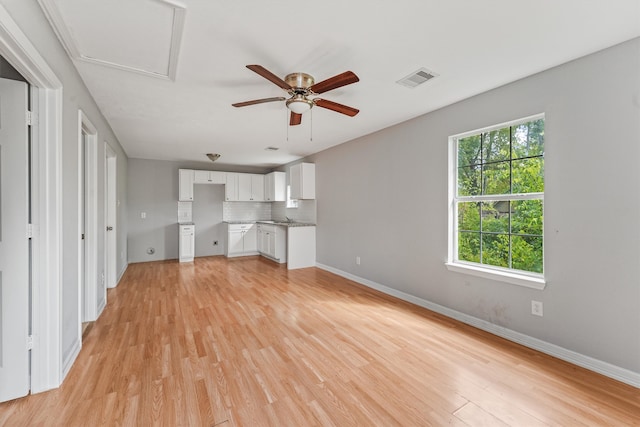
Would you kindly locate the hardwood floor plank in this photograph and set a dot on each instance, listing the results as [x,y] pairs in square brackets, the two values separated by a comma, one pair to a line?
[246,342]
[475,416]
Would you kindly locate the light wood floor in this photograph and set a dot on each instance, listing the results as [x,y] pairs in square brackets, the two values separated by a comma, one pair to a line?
[247,343]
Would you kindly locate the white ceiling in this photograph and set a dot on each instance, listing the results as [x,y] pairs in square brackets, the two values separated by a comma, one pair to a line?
[123,48]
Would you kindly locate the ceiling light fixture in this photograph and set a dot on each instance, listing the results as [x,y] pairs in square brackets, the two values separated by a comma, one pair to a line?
[213,156]
[299,104]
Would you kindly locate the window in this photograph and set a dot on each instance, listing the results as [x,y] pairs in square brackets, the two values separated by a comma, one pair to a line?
[497,188]
[291,203]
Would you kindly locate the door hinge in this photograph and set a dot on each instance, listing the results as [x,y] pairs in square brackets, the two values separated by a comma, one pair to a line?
[29,231]
[30,342]
[30,118]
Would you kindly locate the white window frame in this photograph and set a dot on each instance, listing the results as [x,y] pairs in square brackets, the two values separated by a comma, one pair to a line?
[291,203]
[507,275]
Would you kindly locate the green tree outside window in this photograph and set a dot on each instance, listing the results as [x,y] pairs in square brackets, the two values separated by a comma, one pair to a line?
[499,197]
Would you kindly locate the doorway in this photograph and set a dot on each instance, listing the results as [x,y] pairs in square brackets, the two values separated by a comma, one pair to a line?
[47,365]
[14,239]
[111,204]
[91,284]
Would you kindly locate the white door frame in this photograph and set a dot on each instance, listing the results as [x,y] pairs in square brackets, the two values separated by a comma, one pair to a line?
[46,201]
[111,215]
[88,297]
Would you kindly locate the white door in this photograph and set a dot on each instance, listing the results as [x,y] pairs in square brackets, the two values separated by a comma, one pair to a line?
[85,304]
[14,244]
[112,206]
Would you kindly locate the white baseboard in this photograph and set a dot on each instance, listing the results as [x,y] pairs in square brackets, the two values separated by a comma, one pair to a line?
[121,273]
[67,363]
[604,368]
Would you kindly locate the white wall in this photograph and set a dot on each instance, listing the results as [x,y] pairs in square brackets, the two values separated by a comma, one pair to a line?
[383,197]
[30,19]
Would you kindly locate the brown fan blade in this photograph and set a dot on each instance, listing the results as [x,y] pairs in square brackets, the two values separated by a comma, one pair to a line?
[259,69]
[295,119]
[257,101]
[334,106]
[334,82]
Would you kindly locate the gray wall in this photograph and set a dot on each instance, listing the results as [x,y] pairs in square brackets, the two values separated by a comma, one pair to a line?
[153,188]
[207,215]
[31,20]
[383,197]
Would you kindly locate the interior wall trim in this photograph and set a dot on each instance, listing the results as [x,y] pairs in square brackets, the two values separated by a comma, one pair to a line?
[46,198]
[595,365]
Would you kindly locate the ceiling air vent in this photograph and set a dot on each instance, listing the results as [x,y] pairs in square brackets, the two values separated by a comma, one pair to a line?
[416,78]
[272,148]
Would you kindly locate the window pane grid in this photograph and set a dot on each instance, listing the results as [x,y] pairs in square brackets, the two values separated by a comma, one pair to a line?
[491,158]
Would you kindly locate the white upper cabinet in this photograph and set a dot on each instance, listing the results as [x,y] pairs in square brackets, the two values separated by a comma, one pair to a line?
[243,187]
[302,178]
[231,187]
[275,187]
[185,185]
[250,187]
[209,177]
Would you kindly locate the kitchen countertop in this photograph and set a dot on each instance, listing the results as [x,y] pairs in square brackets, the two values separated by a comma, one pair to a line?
[274,222]
[240,222]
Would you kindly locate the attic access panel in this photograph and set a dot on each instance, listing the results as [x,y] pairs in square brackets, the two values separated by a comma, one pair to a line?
[141,36]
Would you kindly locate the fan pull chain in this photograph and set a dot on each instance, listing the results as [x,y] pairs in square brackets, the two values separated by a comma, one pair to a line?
[311,126]
[286,121]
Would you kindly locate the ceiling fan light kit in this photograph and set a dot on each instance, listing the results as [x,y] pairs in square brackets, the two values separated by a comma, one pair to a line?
[303,90]
[299,104]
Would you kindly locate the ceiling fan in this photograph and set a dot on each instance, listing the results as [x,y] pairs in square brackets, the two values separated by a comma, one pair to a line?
[302,89]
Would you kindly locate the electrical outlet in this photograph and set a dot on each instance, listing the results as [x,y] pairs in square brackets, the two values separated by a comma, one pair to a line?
[357,260]
[536,308]
[143,215]
[215,243]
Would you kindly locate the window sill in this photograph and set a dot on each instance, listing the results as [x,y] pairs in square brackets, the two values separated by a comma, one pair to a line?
[527,281]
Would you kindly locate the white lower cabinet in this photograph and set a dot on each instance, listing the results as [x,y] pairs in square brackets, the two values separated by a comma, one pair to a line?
[242,240]
[187,242]
[301,247]
[272,242]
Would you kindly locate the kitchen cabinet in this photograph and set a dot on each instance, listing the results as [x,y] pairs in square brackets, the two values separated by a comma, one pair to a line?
[302,178]
[242,240]
[231,187]
[187,242]
[208,177]
[185,185]
[275,187]
[272,242]
[250,187]
[301,247]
